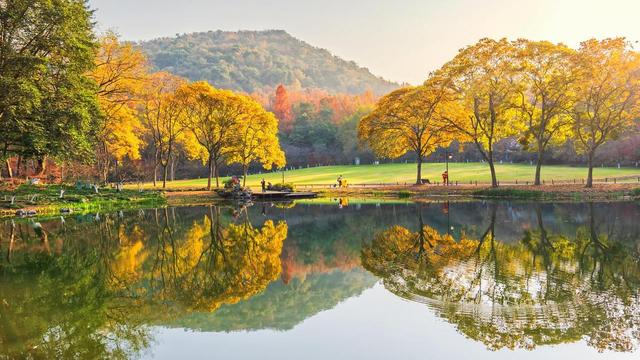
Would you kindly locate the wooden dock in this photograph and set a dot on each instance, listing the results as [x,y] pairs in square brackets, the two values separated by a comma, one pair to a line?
[283,195]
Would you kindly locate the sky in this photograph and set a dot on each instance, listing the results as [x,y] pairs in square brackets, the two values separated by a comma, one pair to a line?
[400,40]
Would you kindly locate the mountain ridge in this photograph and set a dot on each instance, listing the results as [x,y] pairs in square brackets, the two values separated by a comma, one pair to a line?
[251,61]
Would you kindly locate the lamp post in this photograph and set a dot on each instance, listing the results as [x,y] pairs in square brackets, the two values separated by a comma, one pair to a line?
[446,160]
[283,170]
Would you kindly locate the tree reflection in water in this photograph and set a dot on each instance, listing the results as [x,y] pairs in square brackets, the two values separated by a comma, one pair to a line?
[544,289]
[94,299]
[508,274]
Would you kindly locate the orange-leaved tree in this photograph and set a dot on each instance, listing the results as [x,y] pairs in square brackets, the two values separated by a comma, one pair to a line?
[282,109]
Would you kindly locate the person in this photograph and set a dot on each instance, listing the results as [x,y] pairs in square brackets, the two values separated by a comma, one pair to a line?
[445,178]
[264,184]
[340,181]
[269,186]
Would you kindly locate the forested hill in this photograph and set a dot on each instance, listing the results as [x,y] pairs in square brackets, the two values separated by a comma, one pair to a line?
[259,60]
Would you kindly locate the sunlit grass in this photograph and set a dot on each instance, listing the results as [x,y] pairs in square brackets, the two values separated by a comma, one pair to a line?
[406,173]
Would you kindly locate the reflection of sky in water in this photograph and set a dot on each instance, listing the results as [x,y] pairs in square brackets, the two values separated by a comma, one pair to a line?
[374,325]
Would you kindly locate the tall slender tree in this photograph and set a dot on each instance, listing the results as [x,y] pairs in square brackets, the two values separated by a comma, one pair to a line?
[542,83]
[282,109]
[162,115]
[607,93]
[482,76]
[120,74]
[256,139]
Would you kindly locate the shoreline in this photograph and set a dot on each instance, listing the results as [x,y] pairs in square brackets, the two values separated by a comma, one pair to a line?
[113,201]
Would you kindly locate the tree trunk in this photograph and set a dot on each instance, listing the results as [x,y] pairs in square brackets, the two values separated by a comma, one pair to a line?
[155,169]
[590,171]
[173,168]
[19,166]
[216,174]
[115,170]
[419,172]
[244,173]
[210,172]
[538,168]
[9,170]
[165,173]
[42,165]
[494,178]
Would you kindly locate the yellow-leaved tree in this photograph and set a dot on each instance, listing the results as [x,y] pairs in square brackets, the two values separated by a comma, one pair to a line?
[162,114]
[213,118]
[256,139]
[408,119]
[482,76]
[606,93]
[543,81]
[120,73]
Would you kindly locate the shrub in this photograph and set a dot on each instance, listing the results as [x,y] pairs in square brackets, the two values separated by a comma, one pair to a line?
[228,184]
[282,187]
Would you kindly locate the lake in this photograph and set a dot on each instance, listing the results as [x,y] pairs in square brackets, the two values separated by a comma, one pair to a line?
[325,279]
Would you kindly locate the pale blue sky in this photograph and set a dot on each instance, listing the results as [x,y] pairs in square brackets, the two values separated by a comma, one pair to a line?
[401,40]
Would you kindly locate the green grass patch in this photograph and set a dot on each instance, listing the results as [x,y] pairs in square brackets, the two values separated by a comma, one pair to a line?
[463,173]
[513,194]
[46,199]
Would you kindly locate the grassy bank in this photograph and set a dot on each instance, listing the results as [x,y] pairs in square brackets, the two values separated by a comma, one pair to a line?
[405,173]
[46,200]
[567,192]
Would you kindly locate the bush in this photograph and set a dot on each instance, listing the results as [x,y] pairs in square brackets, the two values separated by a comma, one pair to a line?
[404,194]
[228,184]
[282,187]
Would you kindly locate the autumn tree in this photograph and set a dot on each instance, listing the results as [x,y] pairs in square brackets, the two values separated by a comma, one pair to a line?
[543,87]
[256,139]
[407,119]
[282,109]
[482,76]
[606,93]
[120,73]
[213,119]
[162,114]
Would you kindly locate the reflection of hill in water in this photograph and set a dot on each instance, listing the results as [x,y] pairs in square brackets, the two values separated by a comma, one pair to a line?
[282,306]
[196,268]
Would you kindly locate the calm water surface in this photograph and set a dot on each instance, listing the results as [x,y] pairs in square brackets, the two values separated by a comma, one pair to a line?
[325,280]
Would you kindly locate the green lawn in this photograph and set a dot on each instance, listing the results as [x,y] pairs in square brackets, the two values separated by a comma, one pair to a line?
[401,173]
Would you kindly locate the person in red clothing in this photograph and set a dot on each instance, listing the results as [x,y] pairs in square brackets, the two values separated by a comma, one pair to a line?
[445,178]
